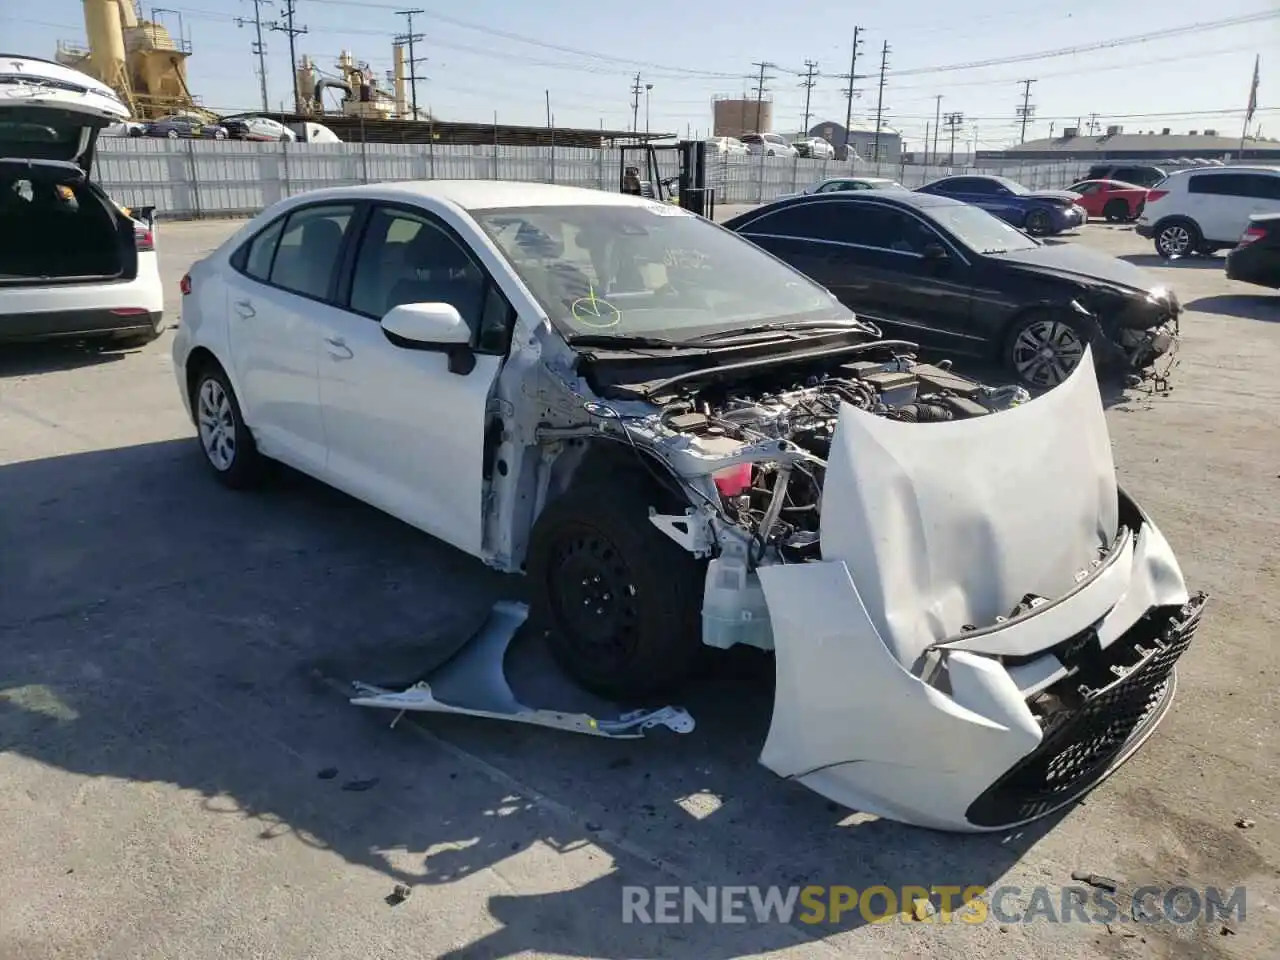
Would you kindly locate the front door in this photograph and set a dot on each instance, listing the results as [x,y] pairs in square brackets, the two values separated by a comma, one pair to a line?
[274,296]
[405,428]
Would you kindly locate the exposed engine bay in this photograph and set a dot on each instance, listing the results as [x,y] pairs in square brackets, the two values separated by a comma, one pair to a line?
[777,501]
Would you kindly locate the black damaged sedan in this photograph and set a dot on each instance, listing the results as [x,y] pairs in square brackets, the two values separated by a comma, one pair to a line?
[957,280]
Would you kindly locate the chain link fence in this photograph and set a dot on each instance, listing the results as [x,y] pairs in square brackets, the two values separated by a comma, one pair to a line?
[189,179]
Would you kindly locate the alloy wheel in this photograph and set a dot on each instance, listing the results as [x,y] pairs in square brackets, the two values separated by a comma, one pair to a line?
[1175,240]
[217,425]
[1046,351]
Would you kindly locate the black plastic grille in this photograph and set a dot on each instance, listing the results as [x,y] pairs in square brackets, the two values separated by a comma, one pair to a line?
[1119,694]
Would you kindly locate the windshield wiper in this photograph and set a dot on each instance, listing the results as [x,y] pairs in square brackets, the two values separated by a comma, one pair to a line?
[623,341]
[815,326]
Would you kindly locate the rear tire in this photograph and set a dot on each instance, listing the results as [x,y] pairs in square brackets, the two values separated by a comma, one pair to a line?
[1116,211]
[620,600]
[1177,238]
[227,444]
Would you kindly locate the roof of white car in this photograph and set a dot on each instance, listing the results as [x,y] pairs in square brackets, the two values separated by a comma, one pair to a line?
[498,194]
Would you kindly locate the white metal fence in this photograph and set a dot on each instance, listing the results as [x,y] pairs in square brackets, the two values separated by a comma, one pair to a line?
[191,178]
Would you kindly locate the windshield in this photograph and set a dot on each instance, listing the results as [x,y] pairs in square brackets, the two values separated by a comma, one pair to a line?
[979,230]
[1011,185]
[651,270]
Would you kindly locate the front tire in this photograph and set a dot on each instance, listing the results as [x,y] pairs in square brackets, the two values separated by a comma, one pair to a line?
[225,441]
[620,600]
[1039,223]
[1042,349]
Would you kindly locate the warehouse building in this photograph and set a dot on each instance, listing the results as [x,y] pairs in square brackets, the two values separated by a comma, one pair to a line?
[1152,146]
[861,135]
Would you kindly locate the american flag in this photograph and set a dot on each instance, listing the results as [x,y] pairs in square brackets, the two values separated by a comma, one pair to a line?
[1253,90]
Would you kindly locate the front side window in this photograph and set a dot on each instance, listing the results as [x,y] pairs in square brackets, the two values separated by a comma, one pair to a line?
[649,270]
[407,257]
[307,256]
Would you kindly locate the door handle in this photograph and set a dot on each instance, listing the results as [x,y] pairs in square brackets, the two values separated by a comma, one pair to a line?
[245,309]
[338,348]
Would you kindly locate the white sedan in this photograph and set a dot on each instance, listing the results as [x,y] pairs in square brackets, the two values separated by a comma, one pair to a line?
[841,184]
[683,442]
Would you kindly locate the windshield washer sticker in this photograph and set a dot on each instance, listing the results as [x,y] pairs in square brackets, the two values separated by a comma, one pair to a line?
[666,210]
[591,311]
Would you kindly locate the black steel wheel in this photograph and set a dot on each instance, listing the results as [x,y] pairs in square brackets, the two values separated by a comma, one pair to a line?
[620,601]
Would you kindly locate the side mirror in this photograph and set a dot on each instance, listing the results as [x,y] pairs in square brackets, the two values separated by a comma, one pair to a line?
[935,252]
[431,326]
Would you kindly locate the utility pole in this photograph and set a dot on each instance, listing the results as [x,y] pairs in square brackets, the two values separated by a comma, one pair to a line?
[293,33]
[953,122]
[937,122]
[636,89]
[1093,123]
[1025,111]
[884,66]
[259,48]
[808,82]
[411,38]
[850,91]
[648,89]
[761,89]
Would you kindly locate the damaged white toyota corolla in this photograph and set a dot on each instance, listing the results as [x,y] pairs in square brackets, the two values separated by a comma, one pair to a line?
[685,444]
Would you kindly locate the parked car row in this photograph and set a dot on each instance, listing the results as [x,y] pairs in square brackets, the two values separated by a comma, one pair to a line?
[181,126]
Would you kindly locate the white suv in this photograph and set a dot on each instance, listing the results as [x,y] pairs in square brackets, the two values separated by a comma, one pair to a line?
[769,144]
[73,263]
[1206,209]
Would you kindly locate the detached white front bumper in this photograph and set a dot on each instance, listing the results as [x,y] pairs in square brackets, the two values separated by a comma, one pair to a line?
[904,686]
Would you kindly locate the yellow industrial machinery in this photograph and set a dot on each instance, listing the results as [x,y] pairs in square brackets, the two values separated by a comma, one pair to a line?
[138,58]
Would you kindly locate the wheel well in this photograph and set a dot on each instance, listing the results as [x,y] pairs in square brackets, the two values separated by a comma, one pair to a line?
[198,360]
[1176,218]
[631,471]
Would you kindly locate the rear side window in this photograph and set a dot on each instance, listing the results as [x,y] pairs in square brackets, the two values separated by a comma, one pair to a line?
[307,256]
[255,258]
[1224,184]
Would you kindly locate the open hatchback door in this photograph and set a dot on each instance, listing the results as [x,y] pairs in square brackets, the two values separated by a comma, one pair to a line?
[72,261]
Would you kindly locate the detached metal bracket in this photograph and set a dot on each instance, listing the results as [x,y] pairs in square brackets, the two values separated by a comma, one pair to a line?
[474,683]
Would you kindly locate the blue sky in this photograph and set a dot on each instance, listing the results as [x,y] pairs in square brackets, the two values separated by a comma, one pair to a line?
[504,55]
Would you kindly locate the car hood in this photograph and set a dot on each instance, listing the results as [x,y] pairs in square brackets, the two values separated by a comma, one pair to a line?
[1078,261]
[1052,195]
[50,112]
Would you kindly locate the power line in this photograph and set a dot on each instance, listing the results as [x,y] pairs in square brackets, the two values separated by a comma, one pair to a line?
[884,65]
[293,32]
[1100,45]
[411,38]
[259,47]
[760,88]
[1026,110]
[808,82]
[850,91]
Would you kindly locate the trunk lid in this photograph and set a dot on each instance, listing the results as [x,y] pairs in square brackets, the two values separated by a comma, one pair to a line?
[51,112]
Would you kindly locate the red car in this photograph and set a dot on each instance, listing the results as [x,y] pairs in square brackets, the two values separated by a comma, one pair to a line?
[1113,200]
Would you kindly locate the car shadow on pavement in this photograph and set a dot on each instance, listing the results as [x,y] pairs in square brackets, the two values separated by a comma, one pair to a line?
[1181,263]
[25,359]
[1251,306]
[156,628]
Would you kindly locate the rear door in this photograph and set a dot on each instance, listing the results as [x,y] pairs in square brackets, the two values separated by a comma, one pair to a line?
[280,290]
[1221,204]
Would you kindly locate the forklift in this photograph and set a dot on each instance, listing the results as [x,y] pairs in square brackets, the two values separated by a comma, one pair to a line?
[641,175]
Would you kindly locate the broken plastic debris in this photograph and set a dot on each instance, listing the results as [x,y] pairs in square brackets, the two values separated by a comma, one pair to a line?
[474,683]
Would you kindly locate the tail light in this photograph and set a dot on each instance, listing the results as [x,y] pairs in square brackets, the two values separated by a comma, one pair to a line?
[1153,195]
[733,481]
[185,284]
[1252,234]
[143,239]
